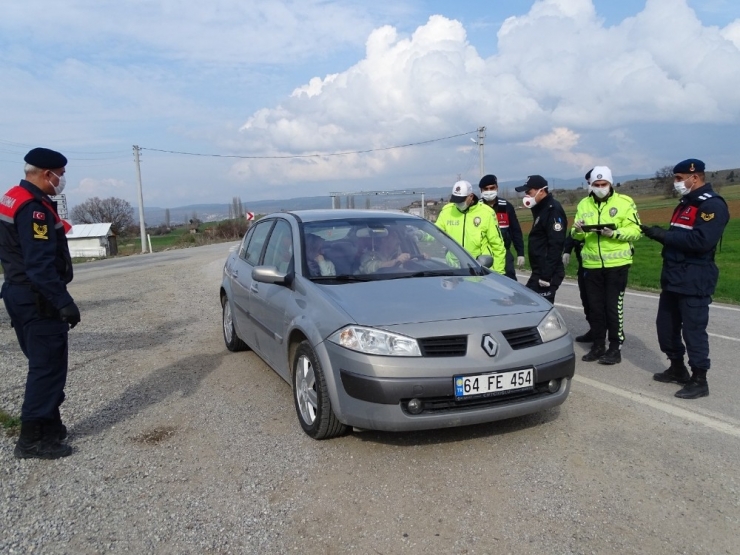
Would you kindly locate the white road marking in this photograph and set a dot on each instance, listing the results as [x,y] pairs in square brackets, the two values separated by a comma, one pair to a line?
[708,421]
[653,296]
[718,336]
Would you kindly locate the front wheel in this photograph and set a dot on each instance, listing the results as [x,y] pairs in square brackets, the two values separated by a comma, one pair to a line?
[311,397]
[231,339]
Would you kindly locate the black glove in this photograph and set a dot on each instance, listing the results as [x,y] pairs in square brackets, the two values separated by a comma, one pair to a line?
[70,314]
[655,233]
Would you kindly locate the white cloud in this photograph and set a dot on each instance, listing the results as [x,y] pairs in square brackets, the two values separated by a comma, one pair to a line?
[732,32]
[220,31]
[558,72]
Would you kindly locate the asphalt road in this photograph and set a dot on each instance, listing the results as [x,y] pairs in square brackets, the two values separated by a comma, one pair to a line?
[622,467]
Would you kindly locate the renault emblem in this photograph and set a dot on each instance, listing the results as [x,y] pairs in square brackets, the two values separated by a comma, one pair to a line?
[489,345]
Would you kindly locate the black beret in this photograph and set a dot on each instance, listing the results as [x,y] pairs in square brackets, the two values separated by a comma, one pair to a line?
[45,158]
[487,180]
[692,165]
[533,182]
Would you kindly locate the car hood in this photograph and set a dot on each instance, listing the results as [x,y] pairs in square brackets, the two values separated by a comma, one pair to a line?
[431,299]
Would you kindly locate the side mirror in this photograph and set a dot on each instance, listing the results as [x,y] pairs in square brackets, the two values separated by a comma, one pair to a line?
[485,260]
[270,274]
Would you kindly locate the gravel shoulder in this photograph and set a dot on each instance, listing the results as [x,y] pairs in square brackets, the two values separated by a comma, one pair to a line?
[183,447]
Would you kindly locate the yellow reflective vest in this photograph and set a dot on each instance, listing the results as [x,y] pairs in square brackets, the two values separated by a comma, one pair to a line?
[600,251]
[476,230]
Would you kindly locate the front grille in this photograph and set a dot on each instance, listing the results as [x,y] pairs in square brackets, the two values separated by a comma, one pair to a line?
[437,405]
[448,346]
[522,338]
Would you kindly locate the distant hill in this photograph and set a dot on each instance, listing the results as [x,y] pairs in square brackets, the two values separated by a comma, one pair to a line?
[395,199]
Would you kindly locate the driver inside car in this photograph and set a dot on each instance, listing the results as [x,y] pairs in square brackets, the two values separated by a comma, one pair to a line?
[385,254]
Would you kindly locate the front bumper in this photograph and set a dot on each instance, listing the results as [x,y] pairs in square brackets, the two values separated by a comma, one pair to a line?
[379,402]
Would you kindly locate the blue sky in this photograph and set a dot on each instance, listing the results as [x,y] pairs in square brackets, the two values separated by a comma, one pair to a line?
[561,85]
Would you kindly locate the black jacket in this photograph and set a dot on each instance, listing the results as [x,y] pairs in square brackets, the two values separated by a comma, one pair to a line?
[508,223]
[547,238]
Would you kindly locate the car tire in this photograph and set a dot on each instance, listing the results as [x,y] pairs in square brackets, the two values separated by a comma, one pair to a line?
[312,403]
[232,340]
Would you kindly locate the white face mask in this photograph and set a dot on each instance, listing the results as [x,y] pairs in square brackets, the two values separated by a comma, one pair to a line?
[600,192]
[62,184]
[489,195]
[462,206]
[528,201]
[680,187]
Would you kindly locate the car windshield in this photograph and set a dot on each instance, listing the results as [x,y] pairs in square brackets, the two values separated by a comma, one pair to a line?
[366,249]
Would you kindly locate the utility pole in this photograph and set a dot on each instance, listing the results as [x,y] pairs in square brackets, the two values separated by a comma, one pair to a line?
[142,225]
[481,136]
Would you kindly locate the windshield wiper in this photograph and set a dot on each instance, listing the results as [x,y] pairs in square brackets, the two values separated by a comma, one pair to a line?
[430,273]
[343,277]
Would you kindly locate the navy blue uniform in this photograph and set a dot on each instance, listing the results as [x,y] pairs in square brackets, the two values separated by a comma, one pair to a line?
[511,232]
[37,266]
[545,247]
[689,275]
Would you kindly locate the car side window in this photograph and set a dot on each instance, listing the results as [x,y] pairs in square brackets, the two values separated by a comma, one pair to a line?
[279,251]
[245,242]
[257,242]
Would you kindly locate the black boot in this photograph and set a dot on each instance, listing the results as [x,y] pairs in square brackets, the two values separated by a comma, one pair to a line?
[39,440]
[587,337]
[596,352]
[612,356]
[676,373]
[697,386]
[61,429]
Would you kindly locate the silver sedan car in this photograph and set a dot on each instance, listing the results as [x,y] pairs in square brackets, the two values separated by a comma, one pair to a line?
[379,320]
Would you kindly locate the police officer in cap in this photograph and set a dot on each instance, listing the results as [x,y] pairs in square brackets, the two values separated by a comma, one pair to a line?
[38,267]
[508,222]
[546,240]
[688,277]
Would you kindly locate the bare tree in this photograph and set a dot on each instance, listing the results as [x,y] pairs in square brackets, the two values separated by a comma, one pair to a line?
[664,181]
[114,211]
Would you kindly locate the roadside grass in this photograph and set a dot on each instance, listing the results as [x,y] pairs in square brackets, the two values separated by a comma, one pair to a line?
[178,238]
[11,425]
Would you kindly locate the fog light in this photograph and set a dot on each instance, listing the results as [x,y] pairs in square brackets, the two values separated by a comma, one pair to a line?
[415,406]
[553,385]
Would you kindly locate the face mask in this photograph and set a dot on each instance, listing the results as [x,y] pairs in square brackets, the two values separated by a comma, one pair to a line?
[462,206]
[528,201]
[62,184]
[489,195]
[680,187]
[600,192]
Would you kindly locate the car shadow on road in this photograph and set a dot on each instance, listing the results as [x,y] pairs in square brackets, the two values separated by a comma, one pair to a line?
[184,376]
[462,433]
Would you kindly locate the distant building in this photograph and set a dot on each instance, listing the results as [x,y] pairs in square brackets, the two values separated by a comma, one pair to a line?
[92,241]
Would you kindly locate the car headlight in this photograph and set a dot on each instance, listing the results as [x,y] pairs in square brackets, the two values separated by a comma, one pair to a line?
[552,326]
[376,342]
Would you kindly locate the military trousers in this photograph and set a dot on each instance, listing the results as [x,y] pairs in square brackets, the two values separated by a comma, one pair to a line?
[44,341]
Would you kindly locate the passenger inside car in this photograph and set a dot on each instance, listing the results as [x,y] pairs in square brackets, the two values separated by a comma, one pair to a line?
[318,265]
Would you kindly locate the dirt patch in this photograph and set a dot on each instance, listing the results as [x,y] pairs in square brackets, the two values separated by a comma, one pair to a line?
[155,435]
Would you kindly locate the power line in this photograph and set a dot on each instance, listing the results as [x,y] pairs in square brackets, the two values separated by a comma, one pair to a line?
[307,155]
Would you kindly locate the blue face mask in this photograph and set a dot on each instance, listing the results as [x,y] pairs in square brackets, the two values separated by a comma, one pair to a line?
[462,206]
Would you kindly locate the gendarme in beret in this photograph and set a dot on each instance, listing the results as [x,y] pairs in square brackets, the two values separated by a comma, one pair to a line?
[487,180]
[45,158]
[692,165]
